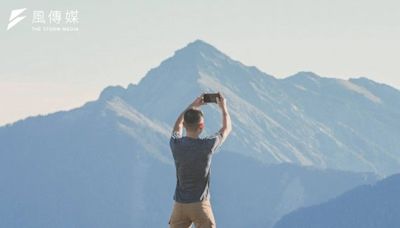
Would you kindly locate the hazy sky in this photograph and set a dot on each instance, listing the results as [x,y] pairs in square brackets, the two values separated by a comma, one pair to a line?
[119,41]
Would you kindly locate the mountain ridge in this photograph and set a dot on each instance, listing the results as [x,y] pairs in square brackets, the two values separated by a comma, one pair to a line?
[304,118]
[370,206]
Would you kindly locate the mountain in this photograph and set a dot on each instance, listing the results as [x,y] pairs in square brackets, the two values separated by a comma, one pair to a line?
[246,193]
[108,164]
[304,119]
[368,206]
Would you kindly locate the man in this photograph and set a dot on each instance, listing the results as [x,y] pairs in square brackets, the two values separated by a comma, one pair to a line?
[192,157]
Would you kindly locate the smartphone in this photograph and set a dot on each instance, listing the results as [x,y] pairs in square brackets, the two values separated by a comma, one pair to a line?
[210,97]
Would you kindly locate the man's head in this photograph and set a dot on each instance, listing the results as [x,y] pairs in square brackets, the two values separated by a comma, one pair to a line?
[193,120]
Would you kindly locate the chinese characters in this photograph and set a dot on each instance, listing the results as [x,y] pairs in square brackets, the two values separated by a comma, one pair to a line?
[55,20]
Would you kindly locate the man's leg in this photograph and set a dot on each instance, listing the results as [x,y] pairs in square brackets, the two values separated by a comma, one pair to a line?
[179,218]
[202,216]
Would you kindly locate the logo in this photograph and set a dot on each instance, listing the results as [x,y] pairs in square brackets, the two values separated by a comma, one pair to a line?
[15,18]
[48,21]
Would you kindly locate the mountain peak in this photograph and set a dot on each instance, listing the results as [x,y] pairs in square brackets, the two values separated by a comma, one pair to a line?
[306,74]
[199,49]
[199,44]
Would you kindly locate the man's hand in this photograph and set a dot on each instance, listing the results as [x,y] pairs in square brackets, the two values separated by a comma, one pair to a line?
[199,101]
[221,102]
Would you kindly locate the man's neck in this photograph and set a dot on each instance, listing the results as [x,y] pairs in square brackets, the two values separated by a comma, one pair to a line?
[192,135]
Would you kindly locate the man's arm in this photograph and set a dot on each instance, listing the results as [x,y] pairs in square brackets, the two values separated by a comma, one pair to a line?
[178,127]
[226,118]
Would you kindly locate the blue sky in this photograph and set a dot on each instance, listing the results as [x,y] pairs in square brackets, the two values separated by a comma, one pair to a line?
[119,41]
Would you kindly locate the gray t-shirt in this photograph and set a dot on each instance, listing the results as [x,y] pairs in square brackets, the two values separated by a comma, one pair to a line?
[193,162]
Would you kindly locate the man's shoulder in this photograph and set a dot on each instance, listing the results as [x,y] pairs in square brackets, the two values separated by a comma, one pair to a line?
[214,139]
[176,135]
[217,135]
[175,138]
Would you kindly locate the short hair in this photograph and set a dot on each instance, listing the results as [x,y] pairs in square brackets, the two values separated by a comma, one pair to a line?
[192,118]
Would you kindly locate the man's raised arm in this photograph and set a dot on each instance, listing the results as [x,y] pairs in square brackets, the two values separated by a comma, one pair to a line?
[226,118]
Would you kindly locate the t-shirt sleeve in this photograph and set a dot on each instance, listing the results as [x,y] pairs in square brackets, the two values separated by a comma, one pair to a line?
[175,136]
[216,141]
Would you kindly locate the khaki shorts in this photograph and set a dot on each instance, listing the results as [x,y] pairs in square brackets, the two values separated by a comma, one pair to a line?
[199,213]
